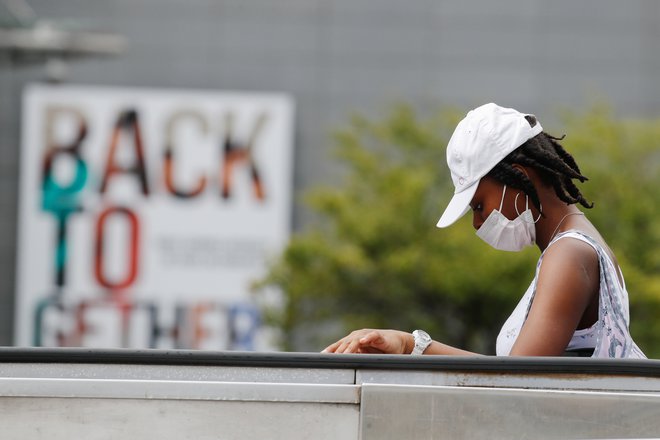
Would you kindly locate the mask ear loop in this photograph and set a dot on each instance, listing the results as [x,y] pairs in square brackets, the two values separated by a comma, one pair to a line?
[502,200]
[515,205]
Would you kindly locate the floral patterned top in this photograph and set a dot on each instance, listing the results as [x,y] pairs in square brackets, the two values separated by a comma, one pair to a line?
[609,336]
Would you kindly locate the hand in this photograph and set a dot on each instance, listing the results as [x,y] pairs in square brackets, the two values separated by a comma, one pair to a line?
[374,341]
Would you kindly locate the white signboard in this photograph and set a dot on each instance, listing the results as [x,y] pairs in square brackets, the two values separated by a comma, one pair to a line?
[145,215]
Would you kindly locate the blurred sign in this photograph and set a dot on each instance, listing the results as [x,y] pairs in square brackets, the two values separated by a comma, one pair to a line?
[145,215]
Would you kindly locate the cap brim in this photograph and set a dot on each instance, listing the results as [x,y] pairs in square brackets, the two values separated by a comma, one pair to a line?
[458,206]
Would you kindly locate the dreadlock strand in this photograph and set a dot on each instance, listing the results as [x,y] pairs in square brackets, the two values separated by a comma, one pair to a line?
[550,160]
[566,156]
[577,195]
[557,167]
[532,162]
[562,193]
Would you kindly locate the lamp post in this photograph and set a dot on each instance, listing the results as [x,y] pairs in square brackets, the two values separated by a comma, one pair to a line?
[25,39]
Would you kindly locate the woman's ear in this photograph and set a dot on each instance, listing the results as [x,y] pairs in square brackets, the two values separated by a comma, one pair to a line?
[533,175]
[522,169]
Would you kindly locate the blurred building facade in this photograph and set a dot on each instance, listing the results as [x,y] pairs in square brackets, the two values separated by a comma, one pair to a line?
[337,57]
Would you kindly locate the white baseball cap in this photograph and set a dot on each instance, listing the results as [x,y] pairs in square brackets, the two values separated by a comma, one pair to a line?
[481,140]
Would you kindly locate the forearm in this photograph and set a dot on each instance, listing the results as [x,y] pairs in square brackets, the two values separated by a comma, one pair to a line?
[438,348]
[447,350]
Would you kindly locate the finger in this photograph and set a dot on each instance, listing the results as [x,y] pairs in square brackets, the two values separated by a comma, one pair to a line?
[374,339]
[331,348]
[335,347]
[353,346]
[343,346]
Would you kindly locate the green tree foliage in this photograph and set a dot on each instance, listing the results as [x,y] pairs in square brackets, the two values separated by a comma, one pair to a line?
[376,259]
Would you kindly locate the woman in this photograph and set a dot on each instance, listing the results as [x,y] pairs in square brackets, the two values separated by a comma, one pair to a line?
[518,182]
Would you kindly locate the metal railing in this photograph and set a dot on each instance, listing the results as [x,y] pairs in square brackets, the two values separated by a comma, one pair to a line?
[68,393]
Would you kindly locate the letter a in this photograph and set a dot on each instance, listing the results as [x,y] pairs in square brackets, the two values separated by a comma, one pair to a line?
[128,120]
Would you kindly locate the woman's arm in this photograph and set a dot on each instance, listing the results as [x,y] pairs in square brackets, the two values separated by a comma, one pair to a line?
[568,281]
[388,342]
[447,350]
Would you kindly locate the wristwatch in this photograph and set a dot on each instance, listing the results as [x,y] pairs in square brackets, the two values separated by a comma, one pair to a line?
[422,341]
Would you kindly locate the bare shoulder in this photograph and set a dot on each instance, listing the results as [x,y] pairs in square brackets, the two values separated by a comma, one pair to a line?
[568,253]
[569,271]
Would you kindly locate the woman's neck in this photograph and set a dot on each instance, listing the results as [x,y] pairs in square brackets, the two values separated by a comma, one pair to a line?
[557,218]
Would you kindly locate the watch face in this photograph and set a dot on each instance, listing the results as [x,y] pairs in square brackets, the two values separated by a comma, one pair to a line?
[422,341]
[422,336]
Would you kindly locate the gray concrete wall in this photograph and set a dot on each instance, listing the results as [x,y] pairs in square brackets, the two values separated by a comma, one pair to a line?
[341,56]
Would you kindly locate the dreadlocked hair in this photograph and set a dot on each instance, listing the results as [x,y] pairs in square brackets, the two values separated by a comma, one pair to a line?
[555,165]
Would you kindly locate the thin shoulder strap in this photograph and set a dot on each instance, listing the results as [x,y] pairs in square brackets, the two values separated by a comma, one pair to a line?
[574,233]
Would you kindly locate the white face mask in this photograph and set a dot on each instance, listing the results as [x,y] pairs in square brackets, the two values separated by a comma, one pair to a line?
[509,235]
